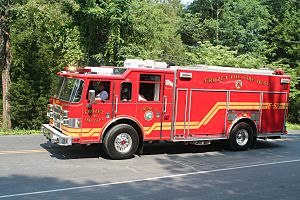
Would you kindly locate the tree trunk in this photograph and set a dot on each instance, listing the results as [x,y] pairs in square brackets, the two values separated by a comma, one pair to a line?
[6,58]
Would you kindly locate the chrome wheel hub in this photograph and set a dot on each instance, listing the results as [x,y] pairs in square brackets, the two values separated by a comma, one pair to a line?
[123,143]
[242,137]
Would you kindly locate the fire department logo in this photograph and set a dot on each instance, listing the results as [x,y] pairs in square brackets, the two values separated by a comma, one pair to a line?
[148,115]
[238,84]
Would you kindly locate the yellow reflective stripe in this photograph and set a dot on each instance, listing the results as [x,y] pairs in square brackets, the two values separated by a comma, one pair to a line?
[86,132]
[213,111]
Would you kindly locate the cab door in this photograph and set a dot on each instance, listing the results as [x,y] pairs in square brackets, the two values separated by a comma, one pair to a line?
[97,114]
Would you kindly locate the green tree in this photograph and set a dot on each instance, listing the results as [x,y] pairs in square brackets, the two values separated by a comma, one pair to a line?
[115,30]
[154,31]
[243,24]
[286,34]
[6,59]
[43,35]
[238,24]
[202,21]
[208,54]
[104,25]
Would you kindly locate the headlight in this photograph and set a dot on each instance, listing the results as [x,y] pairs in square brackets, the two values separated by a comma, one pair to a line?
[74,123]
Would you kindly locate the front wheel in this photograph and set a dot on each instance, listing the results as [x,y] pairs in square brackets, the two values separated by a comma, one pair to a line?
[241,137]
[121,142]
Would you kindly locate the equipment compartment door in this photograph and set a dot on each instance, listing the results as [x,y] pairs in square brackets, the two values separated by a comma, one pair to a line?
[207,113]
[181,116]
[274,109]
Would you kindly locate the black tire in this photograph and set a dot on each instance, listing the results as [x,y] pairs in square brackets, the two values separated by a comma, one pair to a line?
[241,137]
[121,142]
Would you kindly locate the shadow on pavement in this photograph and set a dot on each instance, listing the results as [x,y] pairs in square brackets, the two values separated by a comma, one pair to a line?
[73,152]
[95,150]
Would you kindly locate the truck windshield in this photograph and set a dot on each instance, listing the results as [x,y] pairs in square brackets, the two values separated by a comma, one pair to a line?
[69,89]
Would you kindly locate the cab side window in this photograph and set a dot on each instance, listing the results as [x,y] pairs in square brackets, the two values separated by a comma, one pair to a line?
[149,87]
[102,89]
[126,91]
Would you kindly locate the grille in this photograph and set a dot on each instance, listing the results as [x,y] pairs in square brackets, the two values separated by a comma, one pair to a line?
[56,116]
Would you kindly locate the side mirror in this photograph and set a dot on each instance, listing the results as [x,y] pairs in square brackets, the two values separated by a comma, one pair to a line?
[92,96]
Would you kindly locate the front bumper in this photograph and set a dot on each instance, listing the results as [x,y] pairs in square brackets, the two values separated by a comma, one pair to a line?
[56,136]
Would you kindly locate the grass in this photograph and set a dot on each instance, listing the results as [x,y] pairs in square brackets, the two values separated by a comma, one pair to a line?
[293,126]
[19,132]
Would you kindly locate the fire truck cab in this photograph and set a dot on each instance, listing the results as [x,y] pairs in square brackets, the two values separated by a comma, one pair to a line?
[122,107]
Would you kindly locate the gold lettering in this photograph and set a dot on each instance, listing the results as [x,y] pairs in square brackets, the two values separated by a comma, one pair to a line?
[93,111]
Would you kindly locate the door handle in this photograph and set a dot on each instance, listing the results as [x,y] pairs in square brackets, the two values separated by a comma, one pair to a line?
[116,108]
[165,103]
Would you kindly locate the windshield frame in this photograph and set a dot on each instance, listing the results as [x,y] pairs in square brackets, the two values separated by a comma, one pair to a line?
[69,89]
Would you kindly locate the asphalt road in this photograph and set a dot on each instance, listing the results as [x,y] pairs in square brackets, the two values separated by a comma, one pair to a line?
[31,168]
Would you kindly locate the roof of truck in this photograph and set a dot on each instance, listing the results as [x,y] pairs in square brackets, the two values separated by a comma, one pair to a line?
[121,72]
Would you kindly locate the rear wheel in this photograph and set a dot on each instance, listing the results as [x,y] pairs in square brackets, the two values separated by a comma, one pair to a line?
[241,137]
[121,142]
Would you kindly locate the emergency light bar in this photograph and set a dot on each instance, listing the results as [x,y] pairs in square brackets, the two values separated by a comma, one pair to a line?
[77,70]
[101,70]
[138,63]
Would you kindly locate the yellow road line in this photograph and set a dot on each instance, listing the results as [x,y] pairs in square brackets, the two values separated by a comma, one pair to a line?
[23,151]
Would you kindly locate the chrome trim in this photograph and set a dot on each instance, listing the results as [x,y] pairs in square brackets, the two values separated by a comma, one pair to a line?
[50,114]
[123,143]
[185,108]
[198,139]
[259,72]
[242,137]
[116,110]
[165,103]
[260,112]
[65,122]
[55,136]
[264,135]
[235,122]
[174,112]
[189,114]
[185,112]
[249,91]
[285,113]
[57,116]
[231,116]
[227,110]
[65,114]
[254,116]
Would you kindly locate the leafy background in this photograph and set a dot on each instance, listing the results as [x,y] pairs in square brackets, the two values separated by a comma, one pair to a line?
[48,35]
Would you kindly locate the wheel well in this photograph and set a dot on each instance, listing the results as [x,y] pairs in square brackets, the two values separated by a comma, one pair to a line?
[248,121]
[129,122]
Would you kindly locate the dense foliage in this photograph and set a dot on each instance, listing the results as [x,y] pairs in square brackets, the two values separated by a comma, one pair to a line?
[47,35]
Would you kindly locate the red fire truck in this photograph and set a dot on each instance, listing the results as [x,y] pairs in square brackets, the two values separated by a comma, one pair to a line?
[196,104]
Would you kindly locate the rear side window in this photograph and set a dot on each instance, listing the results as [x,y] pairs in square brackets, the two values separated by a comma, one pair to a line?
[149,87]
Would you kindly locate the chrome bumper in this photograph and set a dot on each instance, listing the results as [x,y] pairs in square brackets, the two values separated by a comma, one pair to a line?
[55,136]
